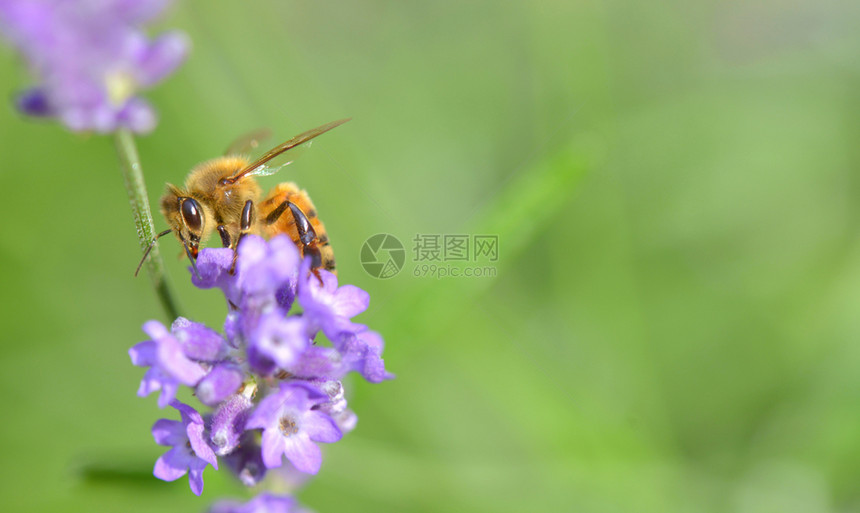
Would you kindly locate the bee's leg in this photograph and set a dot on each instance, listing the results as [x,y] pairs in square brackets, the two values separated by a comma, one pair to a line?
[245,224]
[225,236]
[307,234]
[274,215]
[316,260]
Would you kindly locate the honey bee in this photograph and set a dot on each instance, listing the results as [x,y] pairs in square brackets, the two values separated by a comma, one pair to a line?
[222,195]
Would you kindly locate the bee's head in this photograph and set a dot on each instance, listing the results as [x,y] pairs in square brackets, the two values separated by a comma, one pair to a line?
[186,217]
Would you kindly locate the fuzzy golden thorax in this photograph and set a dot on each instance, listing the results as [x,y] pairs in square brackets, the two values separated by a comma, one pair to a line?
[215,203]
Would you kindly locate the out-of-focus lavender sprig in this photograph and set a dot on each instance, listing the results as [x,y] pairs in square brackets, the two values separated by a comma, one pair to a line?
[90,58]
[273,382]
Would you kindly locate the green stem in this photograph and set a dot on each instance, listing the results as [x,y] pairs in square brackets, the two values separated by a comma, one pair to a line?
[132,175]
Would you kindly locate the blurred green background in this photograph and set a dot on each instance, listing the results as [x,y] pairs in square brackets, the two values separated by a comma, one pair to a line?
[674,322]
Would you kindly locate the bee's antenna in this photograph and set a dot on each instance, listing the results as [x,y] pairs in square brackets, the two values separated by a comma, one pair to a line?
[148,249]
[193,260]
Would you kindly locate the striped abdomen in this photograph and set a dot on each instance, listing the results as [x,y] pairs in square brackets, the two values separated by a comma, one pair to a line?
[275,219]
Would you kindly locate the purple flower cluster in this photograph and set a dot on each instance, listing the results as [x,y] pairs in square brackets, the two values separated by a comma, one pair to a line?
[273,384]
[90,57]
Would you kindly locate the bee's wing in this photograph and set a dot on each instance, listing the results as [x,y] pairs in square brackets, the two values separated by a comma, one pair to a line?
[267,164]
[274,165]
[248,142]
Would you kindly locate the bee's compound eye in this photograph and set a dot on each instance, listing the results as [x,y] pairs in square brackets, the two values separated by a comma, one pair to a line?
[191,214]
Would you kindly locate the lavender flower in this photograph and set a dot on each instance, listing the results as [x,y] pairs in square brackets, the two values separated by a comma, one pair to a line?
[221,382]
[198,341]
[228,423]
[335,407]
[90,58]
[280,340]
[246,461]
[290,426]
[264,269]
[319,362]
[169,366]
[190,453]
[329,308]
[362,352]
[275,391]
[183,356]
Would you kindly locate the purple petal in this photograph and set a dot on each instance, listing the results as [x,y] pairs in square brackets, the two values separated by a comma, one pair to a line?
[103,118]
[302,395]
[138,116]
[260,363]
[34,102]
[189,415]
[200,445]
[153,380]
[324,291]
[221,382]
[319,362]
[250,266]
[350,300]
[149,384]
[172,359]
[302,453]
[320,427]
[285,296]
[171,465]
[198,341]
[161,58]
[190,449]
[168,432]
[168,393]
[266,413]
[374,371]
[213,266]
[280,340]
[155,330]
[143,354]
[195,480]
[328,308]
[362,352]
[233,328]
[252,251]
[263,269]
[372,340]
[273,448]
